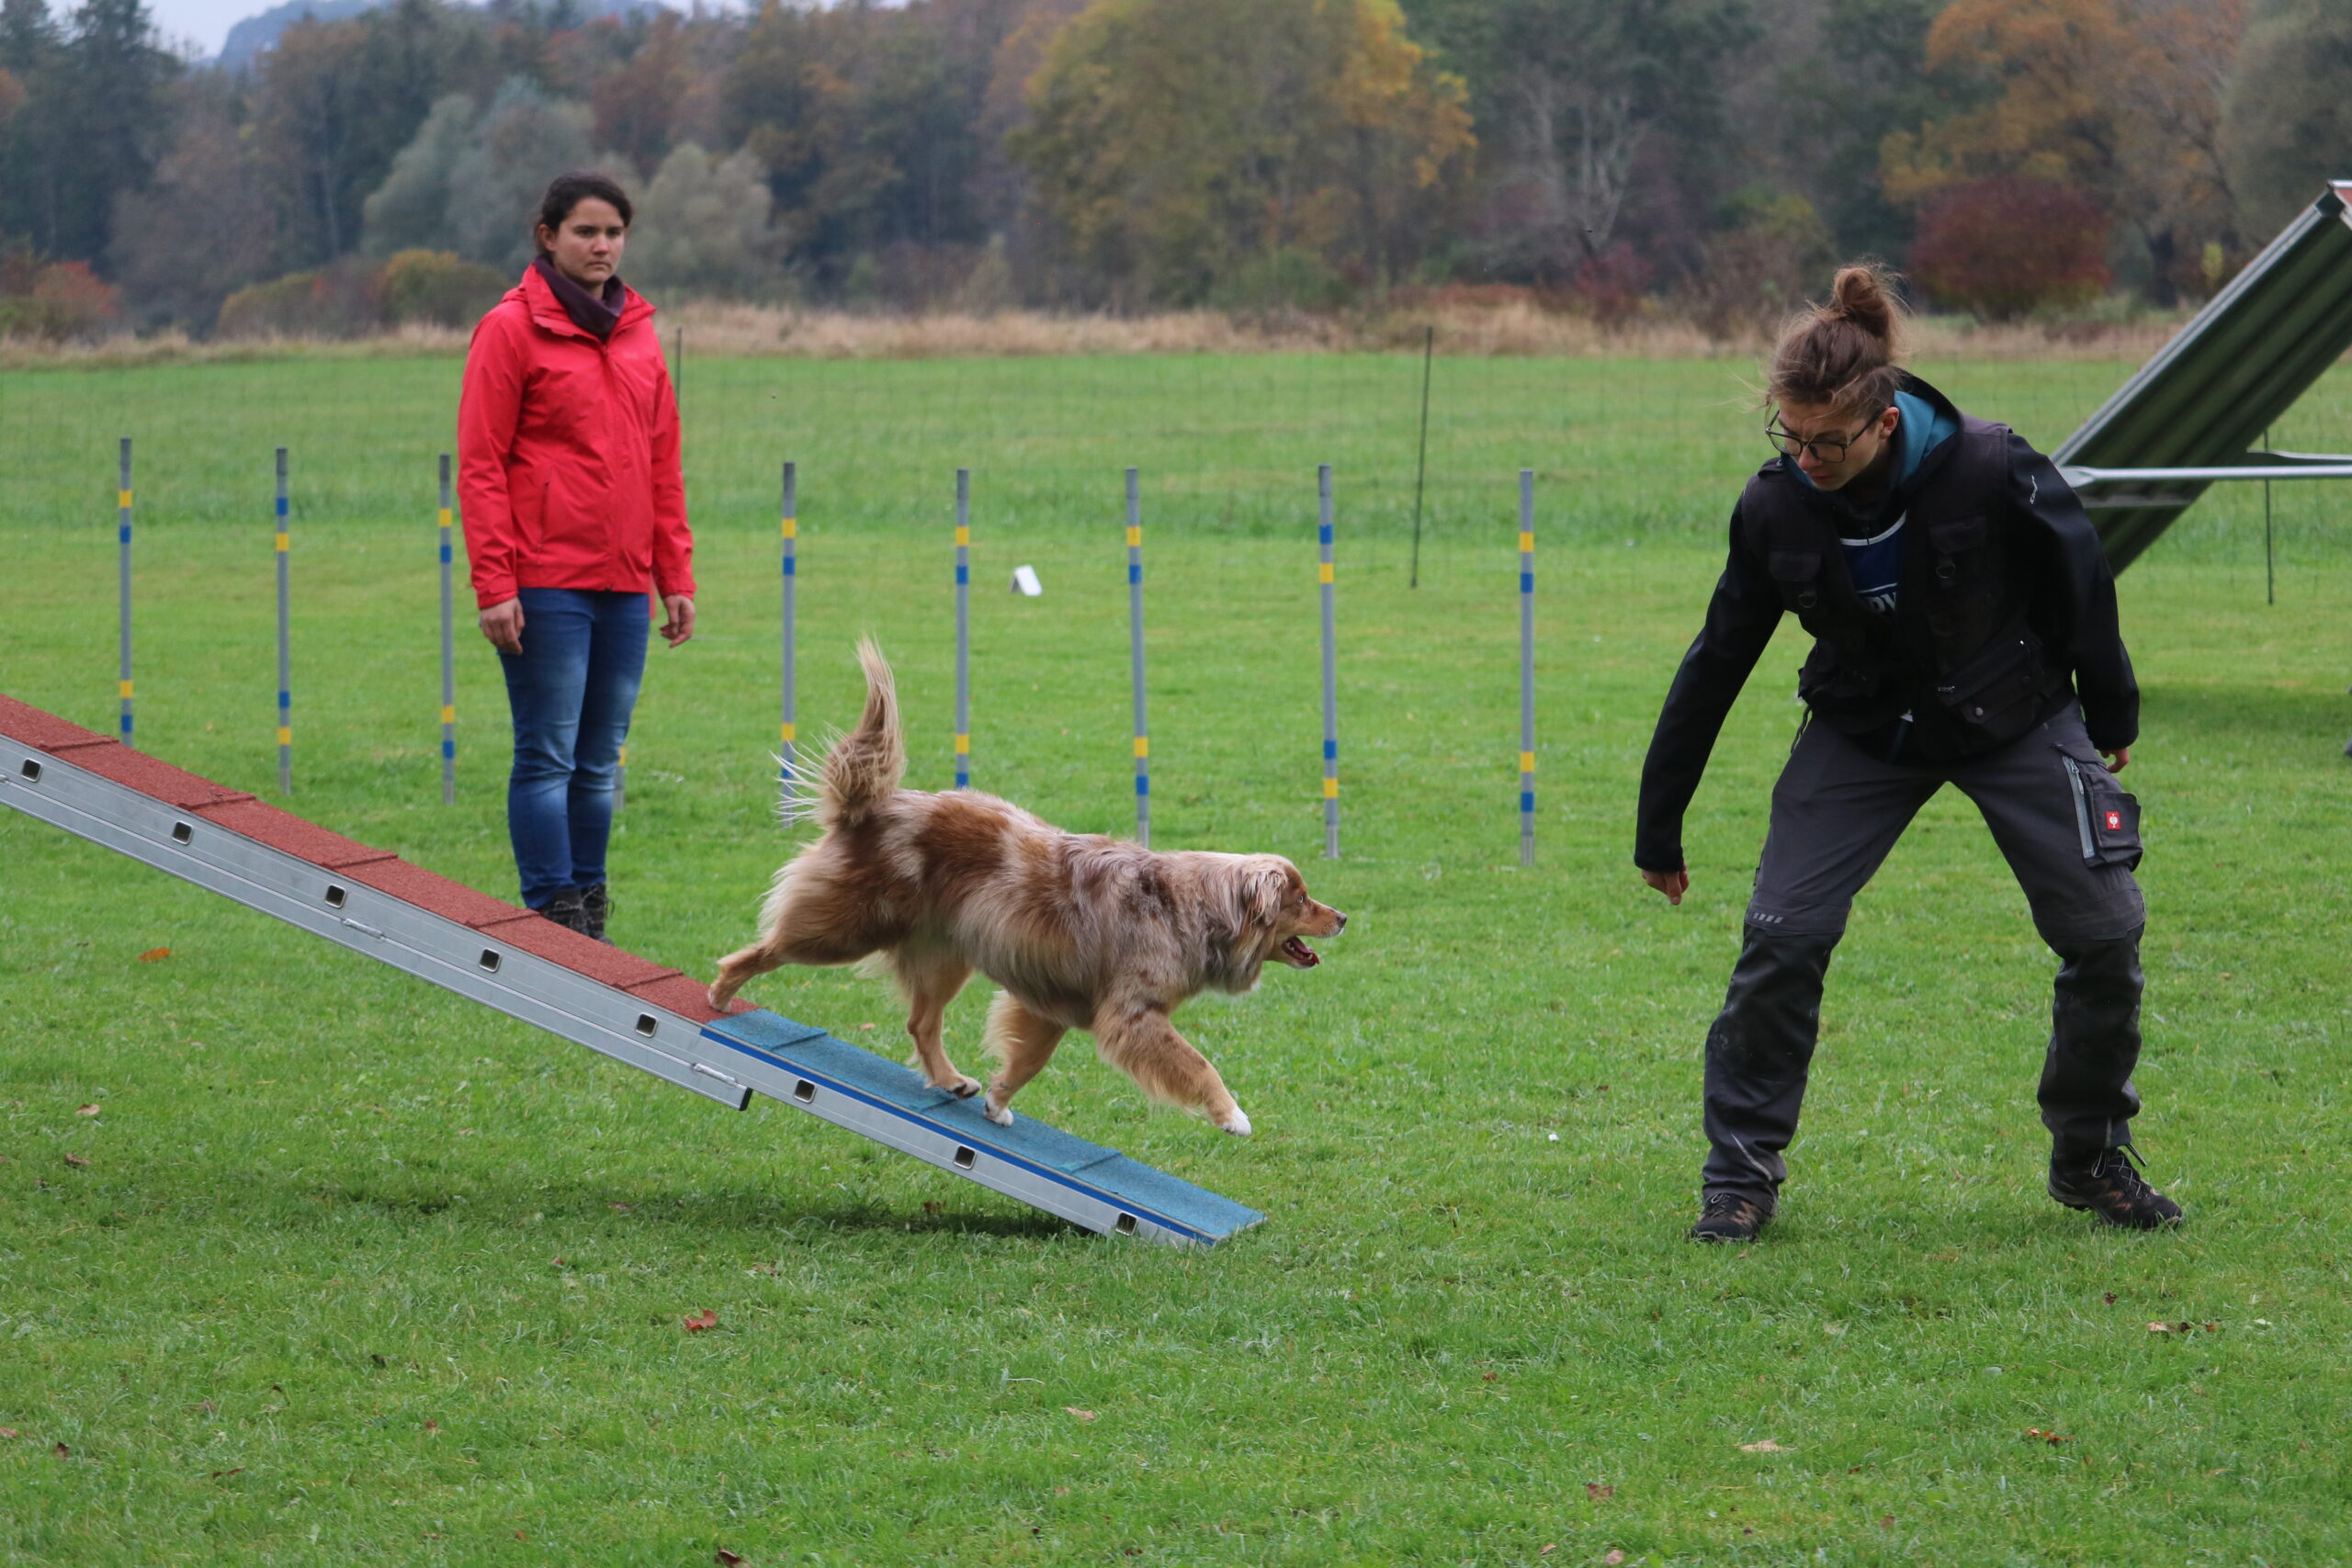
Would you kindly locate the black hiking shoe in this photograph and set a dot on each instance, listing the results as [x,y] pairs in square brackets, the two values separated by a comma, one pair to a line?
[595,907]
[1729,1217]
[2106,1184]
[565,910]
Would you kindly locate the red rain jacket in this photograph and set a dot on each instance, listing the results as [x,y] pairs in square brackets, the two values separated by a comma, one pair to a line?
[567,454]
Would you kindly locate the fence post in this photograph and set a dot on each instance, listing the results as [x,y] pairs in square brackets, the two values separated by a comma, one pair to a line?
[962,628]
[791,533]
[285,649]
[1527,667]
[448,652]
[1135,622]
[122,530]
[1331,673]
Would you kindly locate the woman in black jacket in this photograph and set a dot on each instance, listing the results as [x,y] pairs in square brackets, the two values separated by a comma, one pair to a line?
[1965,633]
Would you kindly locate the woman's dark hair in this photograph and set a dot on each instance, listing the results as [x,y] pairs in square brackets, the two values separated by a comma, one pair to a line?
[568,191]
[1847,354]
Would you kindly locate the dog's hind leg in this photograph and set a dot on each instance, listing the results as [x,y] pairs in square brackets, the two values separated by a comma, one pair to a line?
[1023,1043]
[811,920]
[1146,1046]
[931,978]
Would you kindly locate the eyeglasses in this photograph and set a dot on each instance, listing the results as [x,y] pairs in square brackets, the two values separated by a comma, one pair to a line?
[1825,448]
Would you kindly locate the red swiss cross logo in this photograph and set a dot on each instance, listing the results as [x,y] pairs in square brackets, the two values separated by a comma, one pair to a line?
[2115,821]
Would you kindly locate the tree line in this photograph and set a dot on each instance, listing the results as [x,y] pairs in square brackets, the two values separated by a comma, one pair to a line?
[1712,157]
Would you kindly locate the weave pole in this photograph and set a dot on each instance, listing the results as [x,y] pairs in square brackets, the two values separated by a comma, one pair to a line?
[962,628]
[1527,667]
[1135,623]
[285,648]
[791,531]
[122,531]
[449,654]
[1331,673]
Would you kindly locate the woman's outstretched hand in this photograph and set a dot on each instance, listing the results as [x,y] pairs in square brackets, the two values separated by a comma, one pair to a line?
[503,625]
[678,619]
[1673,883]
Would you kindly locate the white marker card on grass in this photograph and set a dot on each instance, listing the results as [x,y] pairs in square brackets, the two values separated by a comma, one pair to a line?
[1025,583]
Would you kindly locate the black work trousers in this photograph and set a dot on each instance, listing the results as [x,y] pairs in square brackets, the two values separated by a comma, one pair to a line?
[1836,813]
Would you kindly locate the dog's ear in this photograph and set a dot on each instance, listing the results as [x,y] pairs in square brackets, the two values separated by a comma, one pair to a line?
[1263,890]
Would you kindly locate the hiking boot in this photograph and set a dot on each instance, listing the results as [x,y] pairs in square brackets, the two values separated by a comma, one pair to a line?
[565,910]
[595,907]
[2106,1184]
[1729,1217]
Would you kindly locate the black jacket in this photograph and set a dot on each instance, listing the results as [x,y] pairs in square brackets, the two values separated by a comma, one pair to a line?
[2054,586]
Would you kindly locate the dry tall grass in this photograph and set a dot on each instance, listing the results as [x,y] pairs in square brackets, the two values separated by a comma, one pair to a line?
[1513,327]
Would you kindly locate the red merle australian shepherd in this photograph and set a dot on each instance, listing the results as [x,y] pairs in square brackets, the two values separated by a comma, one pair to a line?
[1080,931]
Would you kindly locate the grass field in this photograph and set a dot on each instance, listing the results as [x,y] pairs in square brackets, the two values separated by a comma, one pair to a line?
[358,1272]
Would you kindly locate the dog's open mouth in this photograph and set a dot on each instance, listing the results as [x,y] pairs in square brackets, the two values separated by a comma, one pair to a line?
[1297,954]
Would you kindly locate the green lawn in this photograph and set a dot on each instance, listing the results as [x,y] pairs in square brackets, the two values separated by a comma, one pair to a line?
[358,1272]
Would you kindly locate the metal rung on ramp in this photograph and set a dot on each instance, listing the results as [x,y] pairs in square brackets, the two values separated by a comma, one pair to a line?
[624,1006]
[2190,417]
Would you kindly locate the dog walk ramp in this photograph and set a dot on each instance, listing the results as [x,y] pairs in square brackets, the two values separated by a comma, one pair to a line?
[511,959]
[2192,415]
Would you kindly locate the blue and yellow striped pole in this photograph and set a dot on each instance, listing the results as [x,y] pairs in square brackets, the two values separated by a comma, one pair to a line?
[1135,621]
[449,651]
[786,759]
[122,532]
[962,628]
[1527,667]
[1331,673]
[285,648]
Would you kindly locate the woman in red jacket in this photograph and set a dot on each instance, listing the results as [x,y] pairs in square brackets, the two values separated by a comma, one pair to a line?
[573,509]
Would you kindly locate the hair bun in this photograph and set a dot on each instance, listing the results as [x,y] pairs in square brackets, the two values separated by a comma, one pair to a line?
[1859,295]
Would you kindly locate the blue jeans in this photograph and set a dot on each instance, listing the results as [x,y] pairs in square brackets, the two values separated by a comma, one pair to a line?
[571,690]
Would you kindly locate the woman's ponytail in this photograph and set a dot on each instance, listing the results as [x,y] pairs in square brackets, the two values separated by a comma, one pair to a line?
[1845,353]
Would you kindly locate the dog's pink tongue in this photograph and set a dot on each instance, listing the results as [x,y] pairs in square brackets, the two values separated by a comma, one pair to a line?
[1305,954]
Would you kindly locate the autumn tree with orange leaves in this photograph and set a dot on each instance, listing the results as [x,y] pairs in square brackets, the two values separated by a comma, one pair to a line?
[2121,100]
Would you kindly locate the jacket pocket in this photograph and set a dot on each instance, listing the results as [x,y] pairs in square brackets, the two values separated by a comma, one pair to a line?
[1999,687]
[2106,815]
[1798,573]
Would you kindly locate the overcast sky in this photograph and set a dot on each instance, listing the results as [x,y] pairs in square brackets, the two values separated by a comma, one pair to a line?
[205,22]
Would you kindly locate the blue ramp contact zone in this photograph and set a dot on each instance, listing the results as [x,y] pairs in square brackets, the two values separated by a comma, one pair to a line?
[1045,1151]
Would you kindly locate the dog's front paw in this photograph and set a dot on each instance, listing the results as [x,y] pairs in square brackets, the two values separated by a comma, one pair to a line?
[1237,1122]
[960,1087]
[1000,1114]
[717,998]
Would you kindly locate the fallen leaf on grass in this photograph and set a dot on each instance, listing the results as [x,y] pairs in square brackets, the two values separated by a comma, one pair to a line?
[1596,1491]
[2212,1328]
[1886,1521]
[154,953]
[726,1559]
[431,1426]
[2170,1327]
[8,1431]
[1081,1415]
[61,1451]
[1549,1547]
[520,1536]
[2110,1298]
[1614,1558]
[77,1159]
[2053,1438]
[1767,1447]
[86,1111]
[219,1473]
[697,1322]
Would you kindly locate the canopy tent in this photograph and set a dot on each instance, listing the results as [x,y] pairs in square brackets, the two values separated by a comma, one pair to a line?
[2193,413]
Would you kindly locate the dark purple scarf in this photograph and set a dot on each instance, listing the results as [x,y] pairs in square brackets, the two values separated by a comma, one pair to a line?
[589,313]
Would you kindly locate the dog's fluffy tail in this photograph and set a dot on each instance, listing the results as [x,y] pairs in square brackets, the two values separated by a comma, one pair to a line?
[865,766]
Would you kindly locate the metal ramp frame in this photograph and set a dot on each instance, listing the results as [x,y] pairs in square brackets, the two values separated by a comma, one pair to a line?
[2192,414]
[624,1006]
